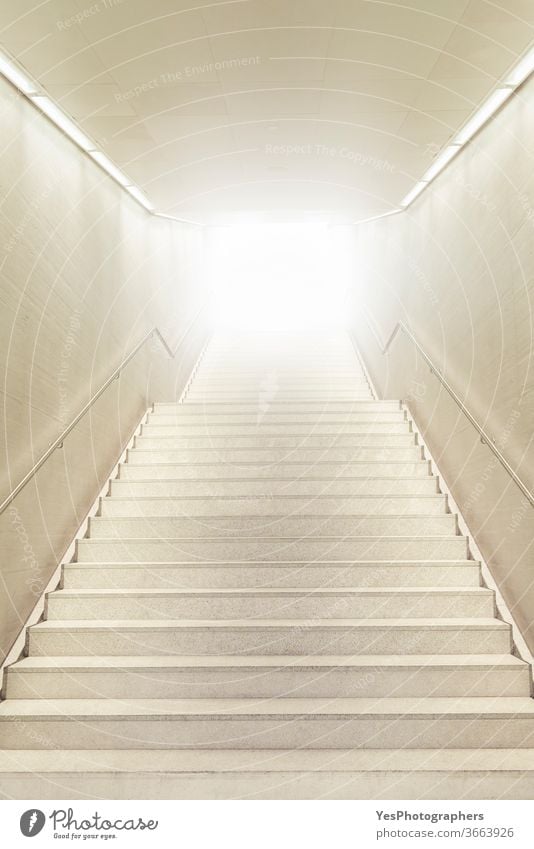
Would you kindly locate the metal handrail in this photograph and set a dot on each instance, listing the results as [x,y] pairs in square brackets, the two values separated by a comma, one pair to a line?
[58,443]
[484,436]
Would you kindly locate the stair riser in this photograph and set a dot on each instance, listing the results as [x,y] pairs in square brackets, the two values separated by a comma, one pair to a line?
[465,783]
[178,551]
[409,487]
[234,457]
[343,606]
[305,407]
[275,386]
[283,429]
[183,418]
[296,575]
[277,733]
[214,375]
[268,385]
[265,396]
[190,443]
[305,639]
[267,526]
[167,507]
[285,471]
[329,682]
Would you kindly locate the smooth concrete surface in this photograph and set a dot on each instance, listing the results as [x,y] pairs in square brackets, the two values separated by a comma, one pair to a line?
[457,268]
[86,274]
[280,607]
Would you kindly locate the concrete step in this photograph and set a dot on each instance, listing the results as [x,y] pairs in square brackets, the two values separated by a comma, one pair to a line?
[438,573]
[280,637]
[282,429]
[279,381]
[266,526]
[317,371]
[271,724]
[282,359]
[496,773]
[263,441]
[266,397]
[286,408]
[289,471]
[272,603]
[177,550]
[266,677]
[364,487]
[265,418]
[348,369]
[271,456]
[278,505]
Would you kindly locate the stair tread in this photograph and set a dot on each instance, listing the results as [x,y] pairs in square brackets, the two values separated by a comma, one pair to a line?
[494,706]
[148,662]
[159,624]
[283,497]
[273,591]
[92,564]
[42,761]
[281,480]
[243,538]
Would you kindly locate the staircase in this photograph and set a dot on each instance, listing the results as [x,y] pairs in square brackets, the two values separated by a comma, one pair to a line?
[273,602]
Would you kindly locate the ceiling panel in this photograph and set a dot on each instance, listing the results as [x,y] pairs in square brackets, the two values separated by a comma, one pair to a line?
[269,108]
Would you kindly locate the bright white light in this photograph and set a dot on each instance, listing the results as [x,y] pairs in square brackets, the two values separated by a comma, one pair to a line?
[141,197]
[111,168]
[16,76]
[373,217]
[280,276]
[62,121]
[413,193]
[488,108]
[441,161]
[522,70]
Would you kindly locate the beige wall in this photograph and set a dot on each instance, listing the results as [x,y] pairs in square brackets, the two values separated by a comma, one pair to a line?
[458,268]
[85,274]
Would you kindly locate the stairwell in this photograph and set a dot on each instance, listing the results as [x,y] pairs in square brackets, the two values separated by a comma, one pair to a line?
[273,602]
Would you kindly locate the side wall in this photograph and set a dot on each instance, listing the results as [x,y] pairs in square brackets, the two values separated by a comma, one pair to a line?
[458,268]
[85,274]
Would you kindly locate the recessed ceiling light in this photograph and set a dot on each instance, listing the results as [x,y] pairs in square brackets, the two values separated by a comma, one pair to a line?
[522,70]
[109,166]
[141,197]
[16,76]
[488,108]
[441,161]
[63,121]
[413,193]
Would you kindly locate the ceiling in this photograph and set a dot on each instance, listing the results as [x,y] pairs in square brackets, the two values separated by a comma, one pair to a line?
[269,109]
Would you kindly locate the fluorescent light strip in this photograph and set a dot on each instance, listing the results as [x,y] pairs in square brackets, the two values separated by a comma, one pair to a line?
[372,218]
[522,70]
[140,197]
[488,108]
[10,70]
[413,193]
[110,167]
[16,76]
[441,161]
[62,121]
